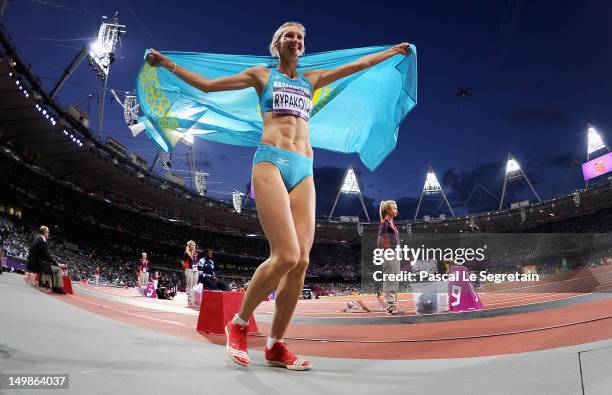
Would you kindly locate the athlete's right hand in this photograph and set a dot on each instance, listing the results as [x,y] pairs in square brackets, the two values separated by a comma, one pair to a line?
[156,59]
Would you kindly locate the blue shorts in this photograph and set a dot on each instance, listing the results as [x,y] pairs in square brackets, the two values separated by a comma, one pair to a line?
[293,167]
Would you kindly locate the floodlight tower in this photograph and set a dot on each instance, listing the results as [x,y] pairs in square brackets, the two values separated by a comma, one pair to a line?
[514,173]
[131,107]
[101,54]
[432,187]
[201,182]
[238,201]
[350,186]
[171,160]
[594,143]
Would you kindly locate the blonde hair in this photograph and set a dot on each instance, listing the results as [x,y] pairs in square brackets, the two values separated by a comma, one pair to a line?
[190,242]
[275,44]
[385,205]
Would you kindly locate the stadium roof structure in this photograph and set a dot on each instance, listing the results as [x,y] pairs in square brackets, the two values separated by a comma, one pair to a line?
[63,145]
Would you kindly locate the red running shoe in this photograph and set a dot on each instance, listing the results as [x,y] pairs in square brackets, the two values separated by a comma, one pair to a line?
[278,355]
[236,344]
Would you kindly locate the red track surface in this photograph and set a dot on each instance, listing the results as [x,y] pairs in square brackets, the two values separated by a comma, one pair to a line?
[550,328]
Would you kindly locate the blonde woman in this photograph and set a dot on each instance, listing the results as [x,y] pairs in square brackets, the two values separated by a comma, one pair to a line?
[282,178]
[389,237]
[143,270]
[190,265]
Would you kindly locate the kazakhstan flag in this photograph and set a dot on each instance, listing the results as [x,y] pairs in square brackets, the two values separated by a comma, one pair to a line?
[360,113]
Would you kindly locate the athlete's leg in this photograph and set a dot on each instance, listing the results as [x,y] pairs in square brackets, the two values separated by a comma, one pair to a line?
[302,199]
[274,211]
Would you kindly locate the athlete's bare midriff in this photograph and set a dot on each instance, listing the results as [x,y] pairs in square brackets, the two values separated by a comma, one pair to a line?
[287,132]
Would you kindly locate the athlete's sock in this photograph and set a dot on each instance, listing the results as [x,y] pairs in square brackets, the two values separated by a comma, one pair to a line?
[239,321]
[271,342]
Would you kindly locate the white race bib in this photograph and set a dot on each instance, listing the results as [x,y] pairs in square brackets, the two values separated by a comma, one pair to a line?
[289,100]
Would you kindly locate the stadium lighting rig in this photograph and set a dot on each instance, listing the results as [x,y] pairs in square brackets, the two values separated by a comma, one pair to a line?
[350,186]
[101,54]
[45,112]
[102,51]
[512,167]
[131,106]
[238,201]
[594,141]
[130,109]
[18,83]
[432,187]
[201,182]
[513,173]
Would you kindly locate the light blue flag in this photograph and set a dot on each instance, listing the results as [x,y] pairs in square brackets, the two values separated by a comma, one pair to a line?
[360,113]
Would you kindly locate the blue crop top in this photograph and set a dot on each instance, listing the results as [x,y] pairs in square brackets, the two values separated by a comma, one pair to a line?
[285,96]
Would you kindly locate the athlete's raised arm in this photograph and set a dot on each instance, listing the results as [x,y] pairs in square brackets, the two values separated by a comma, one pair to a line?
[249,78]
[320,78]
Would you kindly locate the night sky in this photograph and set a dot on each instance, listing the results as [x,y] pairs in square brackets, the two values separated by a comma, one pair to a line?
[537,72]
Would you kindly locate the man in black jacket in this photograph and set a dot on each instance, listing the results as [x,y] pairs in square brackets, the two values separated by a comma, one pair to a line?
[41,261]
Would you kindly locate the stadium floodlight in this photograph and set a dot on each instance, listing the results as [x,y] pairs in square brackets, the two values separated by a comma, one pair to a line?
[513,169]
[350,184]
[237,200]
[130,106]
[431,187]
[594,141]
[201,182]
[102,50]
[514,172]
[512,166]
